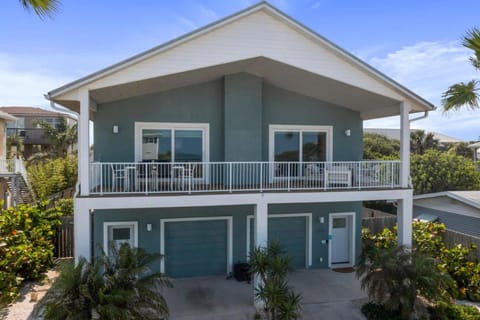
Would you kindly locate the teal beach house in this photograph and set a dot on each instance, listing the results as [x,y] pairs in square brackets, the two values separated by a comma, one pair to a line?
[244,131]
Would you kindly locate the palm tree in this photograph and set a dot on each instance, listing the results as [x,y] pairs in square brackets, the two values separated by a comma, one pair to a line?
[463,94]
[394,277]
[42,8]
[62,136]
[420,142]
[119,286]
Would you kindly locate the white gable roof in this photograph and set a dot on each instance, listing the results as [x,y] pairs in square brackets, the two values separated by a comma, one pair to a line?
[258,31]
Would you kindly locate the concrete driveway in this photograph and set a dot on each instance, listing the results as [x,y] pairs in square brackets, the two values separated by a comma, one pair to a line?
[326,295]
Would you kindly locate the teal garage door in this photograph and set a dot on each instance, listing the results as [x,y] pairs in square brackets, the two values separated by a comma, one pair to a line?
[196,248]
[292,234]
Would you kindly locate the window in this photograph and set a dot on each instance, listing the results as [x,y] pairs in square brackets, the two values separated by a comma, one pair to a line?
[170,142]
[117,233]
[299,144]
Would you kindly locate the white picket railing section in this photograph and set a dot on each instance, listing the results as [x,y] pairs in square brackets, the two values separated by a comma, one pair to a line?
[8,166]
[195,177]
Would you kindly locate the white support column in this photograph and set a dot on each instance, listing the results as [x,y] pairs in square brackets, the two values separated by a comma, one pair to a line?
[404,145]
[260,237]
[83,142]
[82,230]
[404,220]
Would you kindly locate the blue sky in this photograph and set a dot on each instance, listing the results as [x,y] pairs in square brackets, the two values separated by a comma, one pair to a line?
[415,42]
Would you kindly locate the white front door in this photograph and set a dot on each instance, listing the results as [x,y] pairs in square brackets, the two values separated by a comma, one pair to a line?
[340,240]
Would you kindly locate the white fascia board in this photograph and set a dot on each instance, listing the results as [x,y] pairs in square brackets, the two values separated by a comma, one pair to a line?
[345,55]
[131,202]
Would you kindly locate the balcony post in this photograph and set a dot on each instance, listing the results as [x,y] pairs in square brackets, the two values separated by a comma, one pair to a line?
[404,220]
[260,237]
[404,145]
[82,230]
[84,142]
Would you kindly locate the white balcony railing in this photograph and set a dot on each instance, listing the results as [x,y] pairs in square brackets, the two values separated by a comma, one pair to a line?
[196,177]
[9,166]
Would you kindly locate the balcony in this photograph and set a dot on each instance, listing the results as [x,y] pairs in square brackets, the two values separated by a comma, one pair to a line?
[29,135]
[228,177]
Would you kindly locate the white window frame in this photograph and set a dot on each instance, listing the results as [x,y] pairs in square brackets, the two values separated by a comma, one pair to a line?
[300,129]
[308,244]
[119,224]
[140,126]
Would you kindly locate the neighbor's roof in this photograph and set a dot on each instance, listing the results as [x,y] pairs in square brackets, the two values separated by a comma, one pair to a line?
[262,6]
[474,145]
[395,134]
[7,116]
[471,198]
[31,111]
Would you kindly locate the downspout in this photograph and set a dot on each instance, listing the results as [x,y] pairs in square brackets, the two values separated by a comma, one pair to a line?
[419,117]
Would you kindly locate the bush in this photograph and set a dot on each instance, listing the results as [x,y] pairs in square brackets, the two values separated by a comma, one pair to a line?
[119,286]
[436,171]
[444,311]
[26,249]
[64,206]
[373,311]
[51,176]
[427,239]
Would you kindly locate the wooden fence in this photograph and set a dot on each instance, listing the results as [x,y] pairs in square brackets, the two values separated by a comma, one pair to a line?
[377,224]
[64,194]
[64,238]
[451,237]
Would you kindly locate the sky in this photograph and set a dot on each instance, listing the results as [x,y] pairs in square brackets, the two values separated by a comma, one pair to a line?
[417,43]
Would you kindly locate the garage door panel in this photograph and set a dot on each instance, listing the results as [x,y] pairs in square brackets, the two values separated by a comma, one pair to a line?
[195,248]
[291,232]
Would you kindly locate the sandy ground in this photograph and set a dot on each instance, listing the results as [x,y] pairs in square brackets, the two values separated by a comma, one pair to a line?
[30,294]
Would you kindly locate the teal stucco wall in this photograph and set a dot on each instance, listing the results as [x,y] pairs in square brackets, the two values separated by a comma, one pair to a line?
[239,109]
[151,240]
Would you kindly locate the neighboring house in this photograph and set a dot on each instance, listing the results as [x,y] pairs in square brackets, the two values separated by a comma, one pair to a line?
[458,210]
[246,130]
[26,126]
[476,150]
[4,119]
[395,135]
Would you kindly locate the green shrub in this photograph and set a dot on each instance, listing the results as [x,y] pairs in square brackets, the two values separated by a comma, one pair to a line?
[26,248]
[444,311]
[427,239]
[373,311]
[64,206]
[51,176]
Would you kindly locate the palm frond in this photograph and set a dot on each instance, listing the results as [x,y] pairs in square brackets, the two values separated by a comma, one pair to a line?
[461,95]
[43,8]
[472,41]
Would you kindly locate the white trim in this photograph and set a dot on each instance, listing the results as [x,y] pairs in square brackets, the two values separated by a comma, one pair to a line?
[262,6]
[452,195]
[352,226]
[108,224]
[308,233]
[229,220]
[204,127]
[272,128]
[208,200]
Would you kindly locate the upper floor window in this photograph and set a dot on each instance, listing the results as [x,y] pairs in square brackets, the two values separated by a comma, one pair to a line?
[300,143]
[171,142]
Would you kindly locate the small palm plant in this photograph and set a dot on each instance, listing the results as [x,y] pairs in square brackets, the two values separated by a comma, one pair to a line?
[271,265]
[394,277]
[119,286]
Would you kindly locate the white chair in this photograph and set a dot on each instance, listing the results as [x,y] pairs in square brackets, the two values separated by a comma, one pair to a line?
[338,176]
[118,175]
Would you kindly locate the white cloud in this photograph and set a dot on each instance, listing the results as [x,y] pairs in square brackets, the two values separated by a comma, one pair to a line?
[208,13]
[188,23]
[428,69]
[25,86]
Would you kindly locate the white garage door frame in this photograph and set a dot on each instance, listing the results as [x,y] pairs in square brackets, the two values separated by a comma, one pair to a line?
[308,245]
[229,220]
[352,227]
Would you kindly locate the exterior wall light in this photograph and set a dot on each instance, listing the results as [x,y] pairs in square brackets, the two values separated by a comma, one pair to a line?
[149,227]
[115,129]
[348,132]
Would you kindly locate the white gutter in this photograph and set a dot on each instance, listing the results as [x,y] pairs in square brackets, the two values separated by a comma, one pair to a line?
[419,117]
[55,107]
